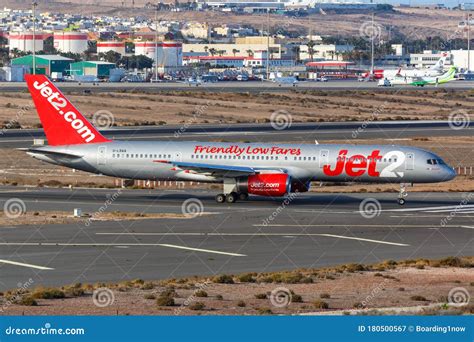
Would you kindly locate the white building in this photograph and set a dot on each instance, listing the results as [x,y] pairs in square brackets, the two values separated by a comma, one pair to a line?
[428,58]
[459,59]
[168,54]
[324,51]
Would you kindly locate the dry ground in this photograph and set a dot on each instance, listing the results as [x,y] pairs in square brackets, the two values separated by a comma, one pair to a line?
[412,286]
[192,107]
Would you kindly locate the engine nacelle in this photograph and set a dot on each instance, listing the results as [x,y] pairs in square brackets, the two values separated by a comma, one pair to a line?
[265,184]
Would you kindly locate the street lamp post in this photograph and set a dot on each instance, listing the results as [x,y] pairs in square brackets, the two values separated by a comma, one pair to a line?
[34,37]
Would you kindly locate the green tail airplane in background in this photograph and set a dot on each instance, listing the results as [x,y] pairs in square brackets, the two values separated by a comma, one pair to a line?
[424,80]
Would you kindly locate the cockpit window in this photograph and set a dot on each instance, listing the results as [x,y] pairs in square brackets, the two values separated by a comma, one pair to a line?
[436,162]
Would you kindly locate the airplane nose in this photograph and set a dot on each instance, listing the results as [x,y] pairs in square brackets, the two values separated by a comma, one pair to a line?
[450,173]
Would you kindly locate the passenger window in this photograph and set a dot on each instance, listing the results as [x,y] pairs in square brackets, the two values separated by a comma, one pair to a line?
[429,161]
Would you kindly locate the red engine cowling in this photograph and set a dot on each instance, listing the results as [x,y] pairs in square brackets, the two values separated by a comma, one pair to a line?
[265,184]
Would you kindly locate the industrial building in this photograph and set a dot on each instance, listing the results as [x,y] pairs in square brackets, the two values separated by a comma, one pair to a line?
[98,69]
[74,42]
[45,64]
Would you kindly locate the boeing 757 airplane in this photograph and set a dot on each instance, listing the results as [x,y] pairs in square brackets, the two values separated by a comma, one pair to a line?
[243,168]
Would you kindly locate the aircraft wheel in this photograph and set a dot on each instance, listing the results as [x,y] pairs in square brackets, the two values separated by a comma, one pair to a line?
[220,198]
[401,201]
[232,197]
[243,196]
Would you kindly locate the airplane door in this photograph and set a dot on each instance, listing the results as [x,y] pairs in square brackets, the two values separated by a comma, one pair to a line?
[101,155]
[323,158]
[410,161]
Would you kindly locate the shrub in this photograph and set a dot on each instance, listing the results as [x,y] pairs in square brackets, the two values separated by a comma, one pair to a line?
[200,293]
[219,297]
[148,286]
[357,305]
[48,293]
[296,298]
[241,304]
[223,279]
[28,301]
[165,301]
[261,296]
[319,304]
[74,292]
[264,311]
[149,296]
[246,278]
[451,261]
[418,298]
[197,306]
[324,295]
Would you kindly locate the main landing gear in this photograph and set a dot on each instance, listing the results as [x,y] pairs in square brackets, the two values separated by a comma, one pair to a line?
[402,194]
[231,198]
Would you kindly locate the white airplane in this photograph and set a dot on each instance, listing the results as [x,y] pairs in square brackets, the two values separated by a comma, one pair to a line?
[433,71]
[271,169]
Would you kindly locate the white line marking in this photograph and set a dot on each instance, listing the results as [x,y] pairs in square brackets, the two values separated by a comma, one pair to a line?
[328,225]
[468,227]
[262,234]
[115,245]
[368,240]
[432,208]
[25,265]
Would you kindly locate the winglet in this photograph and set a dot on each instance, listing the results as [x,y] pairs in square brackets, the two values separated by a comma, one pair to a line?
[63,124]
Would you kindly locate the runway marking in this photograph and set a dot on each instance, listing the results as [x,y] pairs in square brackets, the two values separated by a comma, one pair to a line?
[16,263]
[116,245]
[452,207]
[467,227]
[367,240]
[261,234]
[387,225]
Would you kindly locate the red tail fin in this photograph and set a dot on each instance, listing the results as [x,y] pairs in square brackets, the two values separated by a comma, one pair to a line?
[63,124]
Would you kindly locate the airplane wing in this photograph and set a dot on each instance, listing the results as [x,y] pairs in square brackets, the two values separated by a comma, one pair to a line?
[218,170]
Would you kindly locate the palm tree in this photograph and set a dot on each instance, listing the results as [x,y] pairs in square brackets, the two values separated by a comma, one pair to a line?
[234,51]
[212,51]
[311,45]
[249,52]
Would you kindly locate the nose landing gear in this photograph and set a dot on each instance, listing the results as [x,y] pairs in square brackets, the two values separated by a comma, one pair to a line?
[402,194]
